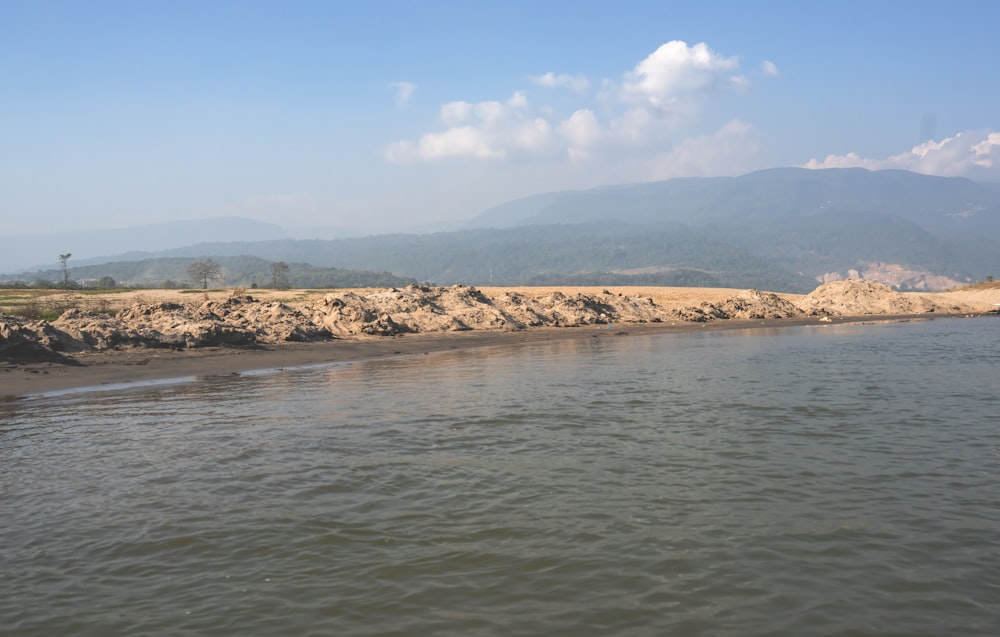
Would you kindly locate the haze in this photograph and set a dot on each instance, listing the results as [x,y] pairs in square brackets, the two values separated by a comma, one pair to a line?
[330,117]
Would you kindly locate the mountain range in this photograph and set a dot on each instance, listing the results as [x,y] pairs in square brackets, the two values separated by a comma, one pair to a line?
[782,229]
[946,204]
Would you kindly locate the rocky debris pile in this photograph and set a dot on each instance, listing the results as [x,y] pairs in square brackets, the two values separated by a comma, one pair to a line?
[562,310]
[855,297]
[755,304]
[410,310]
[238,320]
[421,309]
[79,330]
[243,321]
[28,341]
[747,305]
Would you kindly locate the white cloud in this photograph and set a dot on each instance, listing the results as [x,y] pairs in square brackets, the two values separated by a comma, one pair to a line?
[850,160]
[633,127]
[973,154]
[533,136]
[983,150]
[489,112]
[484,130]
[518,100]
[455,113]
[676,73]
[731,150]
[466,140]
[578,83]
[404,91]
[768,68]
[644,111]
[581,130]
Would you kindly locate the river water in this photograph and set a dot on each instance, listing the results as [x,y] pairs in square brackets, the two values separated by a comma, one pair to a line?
[834,480]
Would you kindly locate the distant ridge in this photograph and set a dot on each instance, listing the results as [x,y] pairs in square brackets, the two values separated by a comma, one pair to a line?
[783,230]
[952,204]
[41,250]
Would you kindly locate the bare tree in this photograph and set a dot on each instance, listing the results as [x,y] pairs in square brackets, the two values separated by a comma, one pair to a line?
[64,258]
[279,275]
[205,271]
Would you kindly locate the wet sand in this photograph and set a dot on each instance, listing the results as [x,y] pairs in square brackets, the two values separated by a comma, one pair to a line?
[120,369]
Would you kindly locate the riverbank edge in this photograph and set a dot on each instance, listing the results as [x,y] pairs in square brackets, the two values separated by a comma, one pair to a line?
[134,368]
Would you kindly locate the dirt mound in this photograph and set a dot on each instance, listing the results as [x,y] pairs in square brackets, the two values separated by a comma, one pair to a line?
[747,305]
[238,320]
[78,330]
[560,310]
[241,320]
[419,309]
[754,304]
[411,310]
[855,297]
[29,341]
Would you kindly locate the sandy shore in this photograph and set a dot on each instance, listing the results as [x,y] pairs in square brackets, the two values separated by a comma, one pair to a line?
[116,370]
[114,367]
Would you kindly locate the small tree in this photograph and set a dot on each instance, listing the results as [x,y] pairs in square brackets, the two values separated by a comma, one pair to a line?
[64,258]
[205,271]
[279,275]
[107,282]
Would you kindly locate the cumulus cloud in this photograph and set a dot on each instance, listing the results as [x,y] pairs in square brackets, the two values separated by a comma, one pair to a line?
[973,154]
[581,130]
[484,130]
[455,113]
[634,127]
[769,68]
[984,149]
[578,83]
[518,100]
[644,110]
[404,91]
[676,74]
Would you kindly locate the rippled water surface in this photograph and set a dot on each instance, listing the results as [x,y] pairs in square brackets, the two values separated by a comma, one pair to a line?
[803,481]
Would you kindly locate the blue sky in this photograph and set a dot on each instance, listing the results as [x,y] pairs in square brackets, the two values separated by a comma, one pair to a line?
[387,116]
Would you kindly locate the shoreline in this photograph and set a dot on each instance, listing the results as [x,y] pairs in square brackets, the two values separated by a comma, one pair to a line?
[121,370]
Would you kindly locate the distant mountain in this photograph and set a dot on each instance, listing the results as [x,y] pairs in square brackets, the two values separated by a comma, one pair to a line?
[948,204]
[781,230]
[42,250]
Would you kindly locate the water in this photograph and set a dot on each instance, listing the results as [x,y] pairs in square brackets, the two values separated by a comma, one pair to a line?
[840,480]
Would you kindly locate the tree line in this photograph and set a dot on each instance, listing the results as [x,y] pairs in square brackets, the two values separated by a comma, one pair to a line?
[202,272]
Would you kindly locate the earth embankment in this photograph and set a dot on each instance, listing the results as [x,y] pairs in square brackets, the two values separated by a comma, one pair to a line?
[242,320]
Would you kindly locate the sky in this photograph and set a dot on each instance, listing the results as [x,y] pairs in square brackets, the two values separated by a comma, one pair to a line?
[382,116]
